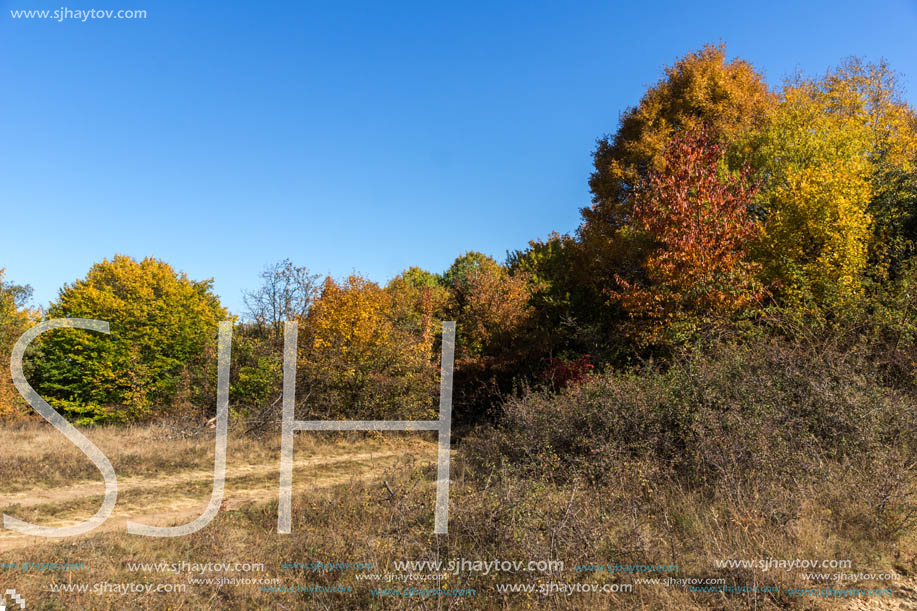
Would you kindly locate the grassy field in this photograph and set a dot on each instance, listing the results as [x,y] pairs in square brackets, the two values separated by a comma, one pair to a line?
[165,476]
[369,500]
[764,453]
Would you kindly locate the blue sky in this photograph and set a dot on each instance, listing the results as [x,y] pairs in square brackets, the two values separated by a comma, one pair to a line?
[347,136]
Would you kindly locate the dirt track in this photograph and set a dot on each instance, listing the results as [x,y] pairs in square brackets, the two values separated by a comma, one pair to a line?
[180,496]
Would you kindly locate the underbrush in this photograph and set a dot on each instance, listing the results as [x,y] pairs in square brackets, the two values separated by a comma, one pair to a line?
[745,450]
[748,449]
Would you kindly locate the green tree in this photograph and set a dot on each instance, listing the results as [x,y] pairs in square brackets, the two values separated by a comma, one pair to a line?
[163,333]
[464,265]
[570,309]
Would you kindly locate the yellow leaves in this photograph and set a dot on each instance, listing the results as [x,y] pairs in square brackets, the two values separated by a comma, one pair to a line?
[161,323]
[357,359]
[15,318]
[818,225]
[825,149]
[869,95]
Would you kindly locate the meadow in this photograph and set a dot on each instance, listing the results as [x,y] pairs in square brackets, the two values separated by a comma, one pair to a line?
[703,398]
[760,450]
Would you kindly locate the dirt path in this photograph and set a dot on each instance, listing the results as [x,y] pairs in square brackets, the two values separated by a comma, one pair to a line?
[180,497]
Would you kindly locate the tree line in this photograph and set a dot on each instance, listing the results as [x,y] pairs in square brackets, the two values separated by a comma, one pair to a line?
[718,203]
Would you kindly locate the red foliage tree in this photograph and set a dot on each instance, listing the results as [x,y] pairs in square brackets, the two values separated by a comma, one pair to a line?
[561,373]
[697,215]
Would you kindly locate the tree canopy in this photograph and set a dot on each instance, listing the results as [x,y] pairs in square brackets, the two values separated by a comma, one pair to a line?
[15,318]
[162,327]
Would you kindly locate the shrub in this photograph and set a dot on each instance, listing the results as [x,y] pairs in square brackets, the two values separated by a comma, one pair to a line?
[764,413]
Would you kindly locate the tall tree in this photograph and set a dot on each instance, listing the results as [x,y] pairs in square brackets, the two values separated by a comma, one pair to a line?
[702,88]
[816,160]
[837,155]
[697,216]
[163,327]
[871,94]
[15,318]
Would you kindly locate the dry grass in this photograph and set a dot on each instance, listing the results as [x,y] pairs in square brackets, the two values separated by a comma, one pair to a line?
[766,451]
[509,518]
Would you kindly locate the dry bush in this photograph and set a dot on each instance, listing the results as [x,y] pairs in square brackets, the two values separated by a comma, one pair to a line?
[761,449]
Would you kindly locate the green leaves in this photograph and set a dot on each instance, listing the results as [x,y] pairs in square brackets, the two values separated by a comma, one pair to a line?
[160,324]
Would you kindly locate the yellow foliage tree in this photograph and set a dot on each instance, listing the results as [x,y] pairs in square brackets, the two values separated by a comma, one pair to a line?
[356,362]
[419,301]
[15,318]
[824,152]
[159,353]
[870,94]
[816,199]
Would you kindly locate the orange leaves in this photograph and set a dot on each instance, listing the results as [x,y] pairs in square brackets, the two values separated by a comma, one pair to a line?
[697,216]
[15,318]
[357,359]
[496,306]
[701,88]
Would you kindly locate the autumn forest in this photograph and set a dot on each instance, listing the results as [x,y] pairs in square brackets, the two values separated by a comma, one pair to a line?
[732,326]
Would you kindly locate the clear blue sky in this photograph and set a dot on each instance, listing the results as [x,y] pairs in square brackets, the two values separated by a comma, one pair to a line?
[221,136]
